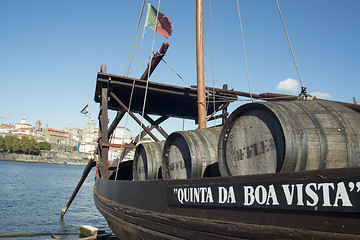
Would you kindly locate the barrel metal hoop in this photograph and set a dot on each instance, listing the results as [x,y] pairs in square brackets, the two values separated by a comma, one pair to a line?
[350,138]
[145,159]
[194,173]
[165,156]
[157,155]
[204,149]
[186,163]
[299,126]
[321,134]
[223,139]
[222,149]
[291,139]
[136,163]
[151,168]
[225,135]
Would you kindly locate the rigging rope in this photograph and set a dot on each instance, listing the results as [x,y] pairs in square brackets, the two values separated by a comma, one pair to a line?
[134,70]
[128,63]
[212,59]
[212,93]
[292,52]
[175,72]
[134,79]
[205,104]
[147,82]
[243,43]
[208,93]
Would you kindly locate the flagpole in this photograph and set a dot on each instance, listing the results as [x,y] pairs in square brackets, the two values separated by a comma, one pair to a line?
[200,65]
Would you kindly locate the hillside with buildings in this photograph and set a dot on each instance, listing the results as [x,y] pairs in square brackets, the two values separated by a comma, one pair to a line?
[69,139]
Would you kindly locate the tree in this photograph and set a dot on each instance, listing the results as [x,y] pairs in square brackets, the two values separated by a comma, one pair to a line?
[45,145]
[34,147]
[25,145]
[12,143]
[2,143]
[29,145]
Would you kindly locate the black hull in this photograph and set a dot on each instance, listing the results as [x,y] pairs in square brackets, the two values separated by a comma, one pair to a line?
[142,210]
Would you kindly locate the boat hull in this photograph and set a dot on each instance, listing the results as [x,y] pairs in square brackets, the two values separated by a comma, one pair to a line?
[145,210]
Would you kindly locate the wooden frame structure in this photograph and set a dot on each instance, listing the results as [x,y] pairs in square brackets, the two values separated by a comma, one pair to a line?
[114,92]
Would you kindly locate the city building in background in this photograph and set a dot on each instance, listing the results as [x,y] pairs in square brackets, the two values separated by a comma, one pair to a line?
[89,138]
[70,139]
[121,136]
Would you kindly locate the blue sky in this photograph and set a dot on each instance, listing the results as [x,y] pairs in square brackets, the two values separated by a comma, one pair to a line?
[50,51]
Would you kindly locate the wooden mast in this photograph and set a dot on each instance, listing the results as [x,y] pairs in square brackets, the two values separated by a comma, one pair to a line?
[200,65]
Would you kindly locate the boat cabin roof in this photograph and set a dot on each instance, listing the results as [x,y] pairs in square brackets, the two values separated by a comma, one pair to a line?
[162,99]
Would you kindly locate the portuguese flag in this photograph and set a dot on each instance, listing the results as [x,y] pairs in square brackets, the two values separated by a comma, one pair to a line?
[158,22]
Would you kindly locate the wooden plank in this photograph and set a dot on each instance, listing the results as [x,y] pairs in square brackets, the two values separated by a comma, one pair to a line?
[122,146]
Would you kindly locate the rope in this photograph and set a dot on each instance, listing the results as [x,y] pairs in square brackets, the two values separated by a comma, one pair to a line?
[176,73]
[208,93]
[128,63]
[292,52]
[212,58]
[205,104]
[134,80]
[147,82]
[134,70]
[243,43]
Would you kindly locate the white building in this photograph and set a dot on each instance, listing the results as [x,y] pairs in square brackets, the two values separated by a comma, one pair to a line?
[6,129]
[22,129]
[120,136]
[89,139]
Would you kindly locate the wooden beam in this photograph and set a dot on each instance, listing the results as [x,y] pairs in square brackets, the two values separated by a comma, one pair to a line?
[104,139]
[118,145]
[133,116]
[156,124]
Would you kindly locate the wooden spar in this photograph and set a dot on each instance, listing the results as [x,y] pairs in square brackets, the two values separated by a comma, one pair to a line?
[155,61]
[278,97]
[219,90]
[283,97]
[200,65]
[119,145]
[86,171]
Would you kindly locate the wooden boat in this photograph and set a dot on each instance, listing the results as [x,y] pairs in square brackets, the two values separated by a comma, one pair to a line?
[298,180]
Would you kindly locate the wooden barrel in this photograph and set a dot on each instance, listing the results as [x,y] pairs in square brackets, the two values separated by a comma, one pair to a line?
[187,154]
[270,137]
[147,160]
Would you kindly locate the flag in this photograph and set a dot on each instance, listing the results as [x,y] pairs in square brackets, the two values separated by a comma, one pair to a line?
[85,110]
[163,27]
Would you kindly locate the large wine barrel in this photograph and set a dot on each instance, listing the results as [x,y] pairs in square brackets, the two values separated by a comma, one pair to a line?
[147,160]
[187,154]
[289,136]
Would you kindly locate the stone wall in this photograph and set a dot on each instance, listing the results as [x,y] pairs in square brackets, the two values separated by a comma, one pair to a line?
[49,157]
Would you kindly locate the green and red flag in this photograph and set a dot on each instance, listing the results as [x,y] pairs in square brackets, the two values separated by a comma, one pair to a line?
[162,22]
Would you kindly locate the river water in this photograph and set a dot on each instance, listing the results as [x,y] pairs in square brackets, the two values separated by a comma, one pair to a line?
[32,195]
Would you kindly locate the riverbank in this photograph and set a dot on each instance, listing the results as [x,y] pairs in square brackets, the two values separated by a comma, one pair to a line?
[49,157]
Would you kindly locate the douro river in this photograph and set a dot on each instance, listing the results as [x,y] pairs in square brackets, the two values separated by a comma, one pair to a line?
[32,195]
